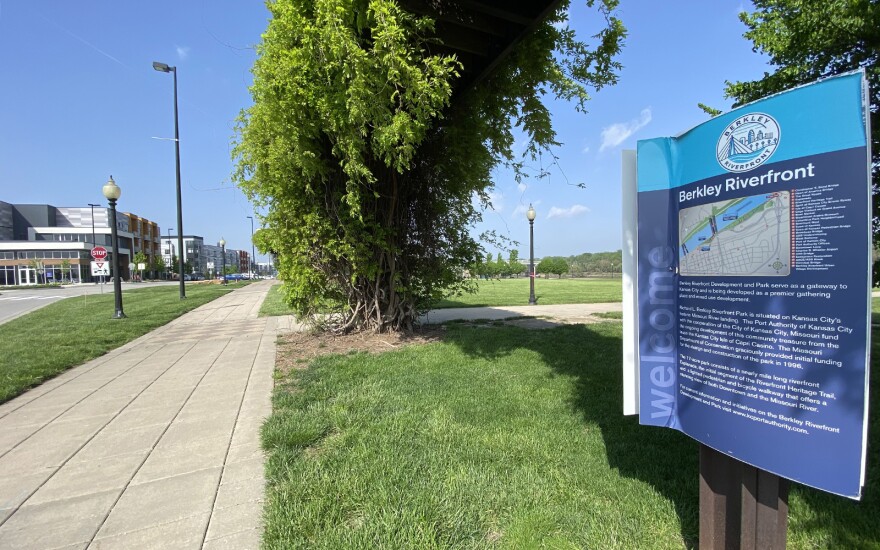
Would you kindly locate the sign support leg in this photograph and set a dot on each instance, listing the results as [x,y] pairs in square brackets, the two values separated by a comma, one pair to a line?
[740,506]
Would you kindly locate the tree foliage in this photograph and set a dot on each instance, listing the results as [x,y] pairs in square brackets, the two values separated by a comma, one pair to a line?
[365,166]
[158,264]
[552,264]
[811,39]
[596,262]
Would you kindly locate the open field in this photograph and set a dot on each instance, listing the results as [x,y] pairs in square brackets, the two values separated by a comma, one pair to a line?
[505,292]
[41,344]
[498,437]
[515,292]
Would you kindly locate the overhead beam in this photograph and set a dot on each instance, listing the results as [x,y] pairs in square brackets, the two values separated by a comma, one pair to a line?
[549,8]
[458,16]
[505,13]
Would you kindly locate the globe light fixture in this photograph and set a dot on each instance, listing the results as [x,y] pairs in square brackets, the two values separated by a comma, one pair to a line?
[530,214]
[222,244]
[112,192]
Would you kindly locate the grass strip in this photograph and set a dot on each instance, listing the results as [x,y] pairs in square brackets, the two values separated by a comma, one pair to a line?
[498,438]
[274,304]
[50,340]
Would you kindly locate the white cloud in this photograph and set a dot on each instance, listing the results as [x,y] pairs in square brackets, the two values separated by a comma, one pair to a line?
[522,187]
[570,212]
[522,208]
[497,200]
[586,149]
[614,135]
[182,52]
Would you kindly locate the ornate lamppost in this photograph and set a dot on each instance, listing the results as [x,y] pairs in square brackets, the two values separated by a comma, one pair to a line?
[253,262]
[222,244]
[112,193]
[531,216]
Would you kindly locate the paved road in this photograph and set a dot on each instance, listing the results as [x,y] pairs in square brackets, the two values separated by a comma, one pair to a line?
[15,303]
[154,445]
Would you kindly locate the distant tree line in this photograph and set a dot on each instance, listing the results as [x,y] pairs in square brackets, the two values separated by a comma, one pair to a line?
[495,266]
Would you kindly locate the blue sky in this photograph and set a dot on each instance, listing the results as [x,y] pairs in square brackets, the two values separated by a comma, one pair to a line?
[80,101]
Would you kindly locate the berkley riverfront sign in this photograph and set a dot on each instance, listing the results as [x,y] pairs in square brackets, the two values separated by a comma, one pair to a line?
[751,284]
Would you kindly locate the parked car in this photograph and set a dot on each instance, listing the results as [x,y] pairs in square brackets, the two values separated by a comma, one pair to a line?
[235,277]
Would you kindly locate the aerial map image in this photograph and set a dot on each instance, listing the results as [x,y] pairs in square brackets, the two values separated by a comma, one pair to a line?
[748,236]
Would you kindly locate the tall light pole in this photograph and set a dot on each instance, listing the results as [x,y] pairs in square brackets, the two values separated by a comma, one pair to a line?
[162,67]
[169,266]
[222,244]
[94,242]
[112,193]
[253,257]
[531,216]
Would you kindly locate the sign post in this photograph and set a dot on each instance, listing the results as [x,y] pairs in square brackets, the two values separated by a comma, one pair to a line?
[99,253]
[752,290]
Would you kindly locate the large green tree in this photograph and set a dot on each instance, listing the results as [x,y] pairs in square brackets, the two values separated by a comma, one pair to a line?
[811,39]
[365,167]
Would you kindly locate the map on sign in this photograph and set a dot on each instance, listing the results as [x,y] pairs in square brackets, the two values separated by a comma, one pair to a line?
[744,236]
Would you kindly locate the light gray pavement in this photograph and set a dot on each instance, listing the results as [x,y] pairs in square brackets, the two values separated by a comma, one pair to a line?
[557,314]
[154,445]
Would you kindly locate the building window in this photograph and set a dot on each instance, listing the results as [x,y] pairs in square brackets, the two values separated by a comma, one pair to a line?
[7,275]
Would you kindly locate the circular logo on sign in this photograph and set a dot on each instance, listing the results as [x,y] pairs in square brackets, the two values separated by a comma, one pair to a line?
[747,142]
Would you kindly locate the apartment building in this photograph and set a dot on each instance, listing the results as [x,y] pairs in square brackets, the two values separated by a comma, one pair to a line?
[42,243]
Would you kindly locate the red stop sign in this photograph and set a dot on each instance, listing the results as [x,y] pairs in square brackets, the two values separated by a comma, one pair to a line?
[99,253]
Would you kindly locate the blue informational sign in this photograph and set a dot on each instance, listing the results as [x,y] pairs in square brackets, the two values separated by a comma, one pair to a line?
[753,287]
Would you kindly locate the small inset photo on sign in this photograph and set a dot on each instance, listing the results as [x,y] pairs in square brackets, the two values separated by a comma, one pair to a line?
[747,236]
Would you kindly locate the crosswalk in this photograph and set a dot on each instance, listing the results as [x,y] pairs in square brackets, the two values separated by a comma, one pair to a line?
[23,298]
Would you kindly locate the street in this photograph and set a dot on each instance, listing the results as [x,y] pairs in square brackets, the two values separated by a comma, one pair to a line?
[17,302]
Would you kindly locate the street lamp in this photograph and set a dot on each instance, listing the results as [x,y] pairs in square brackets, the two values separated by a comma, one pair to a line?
[169,267]
[112,193]
[162,67]
[531,216]
[222,244]
[253,257]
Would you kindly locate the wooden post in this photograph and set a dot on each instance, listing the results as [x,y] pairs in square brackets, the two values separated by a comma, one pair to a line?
[741,507]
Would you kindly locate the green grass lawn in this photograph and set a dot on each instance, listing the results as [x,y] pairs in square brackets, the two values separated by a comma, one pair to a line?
[499,437]
[43,343]
[515,292]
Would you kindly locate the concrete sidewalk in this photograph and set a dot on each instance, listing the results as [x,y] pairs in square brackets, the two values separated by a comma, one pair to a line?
[154,445]
[562,313]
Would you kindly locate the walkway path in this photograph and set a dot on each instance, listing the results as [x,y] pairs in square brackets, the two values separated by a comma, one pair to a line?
[154,445]
[556,314]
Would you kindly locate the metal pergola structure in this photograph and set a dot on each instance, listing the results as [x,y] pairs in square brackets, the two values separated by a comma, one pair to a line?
[480,34]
